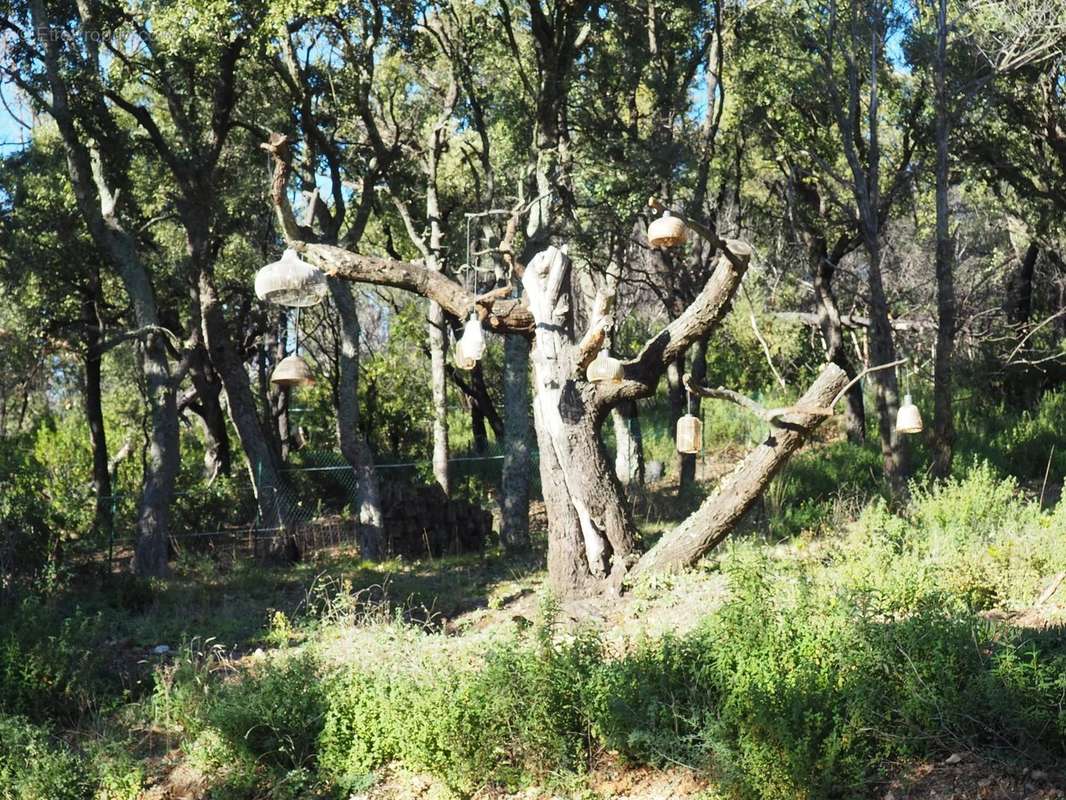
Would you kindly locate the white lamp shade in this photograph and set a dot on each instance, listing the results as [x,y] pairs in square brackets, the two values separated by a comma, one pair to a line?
[461,361]
[472,344]
[292,371]
[292,282]
[666,231]
[604,368]
[689,434]
[908,418]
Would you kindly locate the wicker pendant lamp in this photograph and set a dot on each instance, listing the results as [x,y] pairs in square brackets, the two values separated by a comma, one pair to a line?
[291,281]
[666,231]
[604,368]
[292,371]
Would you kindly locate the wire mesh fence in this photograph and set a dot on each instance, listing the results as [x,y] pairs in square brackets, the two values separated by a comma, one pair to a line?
[314,509]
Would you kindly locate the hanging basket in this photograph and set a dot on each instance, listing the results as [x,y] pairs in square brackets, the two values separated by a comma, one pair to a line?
[292,282]
[604,368]
[908,418]
[689,434]
[292,371]
[666,231]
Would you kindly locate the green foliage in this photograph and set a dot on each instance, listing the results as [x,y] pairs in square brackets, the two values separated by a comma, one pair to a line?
[34,767]
[274,714]
[50,663]
[29,530]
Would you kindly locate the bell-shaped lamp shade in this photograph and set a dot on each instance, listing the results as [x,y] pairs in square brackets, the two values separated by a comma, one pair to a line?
[461,361]
[291,282]
[292,371]
[471,346]
[604,368]
[908,418]
[689,434]
[666,231]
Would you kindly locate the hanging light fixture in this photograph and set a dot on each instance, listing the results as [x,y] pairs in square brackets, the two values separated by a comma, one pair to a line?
[291,281]
[689,434]
[292,371]
[908,418]
[471,346]
[604,368]
[666,231]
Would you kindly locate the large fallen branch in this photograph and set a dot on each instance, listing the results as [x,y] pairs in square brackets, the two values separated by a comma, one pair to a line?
[719,514]
[854,321]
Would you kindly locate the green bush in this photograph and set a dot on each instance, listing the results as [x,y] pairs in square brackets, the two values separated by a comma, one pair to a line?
[274,713]
[51,665]
[33,767]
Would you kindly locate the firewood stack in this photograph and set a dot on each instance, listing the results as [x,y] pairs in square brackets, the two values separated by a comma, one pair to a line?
[421,521]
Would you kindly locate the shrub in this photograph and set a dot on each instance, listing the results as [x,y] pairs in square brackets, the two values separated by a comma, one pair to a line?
[274,713]
[50,664]
[32,767]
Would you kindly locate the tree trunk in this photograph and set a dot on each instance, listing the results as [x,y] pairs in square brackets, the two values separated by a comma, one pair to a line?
[438,352]
[217,453]
[514,532]
[883,351]
[370,532]
[719,514]
[833,336]
[591,536]
[687,461]
[94,415]
[943,437]
[629,444]
[675,394]
[277,503]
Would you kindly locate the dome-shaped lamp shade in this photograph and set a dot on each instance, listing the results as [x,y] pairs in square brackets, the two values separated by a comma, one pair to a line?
[292,371]
[666,231]
[689,434]
[908,418]
[471,346]
[604,368]
[461,361]
[291,282]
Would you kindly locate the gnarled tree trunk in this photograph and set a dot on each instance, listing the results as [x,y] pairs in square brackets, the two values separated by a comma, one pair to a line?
[366,498]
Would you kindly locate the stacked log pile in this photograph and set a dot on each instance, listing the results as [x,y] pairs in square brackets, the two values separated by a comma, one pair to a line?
[422,520]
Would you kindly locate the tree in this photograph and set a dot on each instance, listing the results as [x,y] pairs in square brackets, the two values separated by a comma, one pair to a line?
[592,541]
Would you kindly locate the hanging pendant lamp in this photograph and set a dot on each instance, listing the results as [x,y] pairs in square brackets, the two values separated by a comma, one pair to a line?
[291,281]
[604,368]
[908,418]
[292,371]
[689,434]
[666,231]
[471,346]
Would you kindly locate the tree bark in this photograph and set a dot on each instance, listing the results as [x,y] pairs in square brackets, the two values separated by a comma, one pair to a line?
[835,347]
[277,503]
[514,532]
[687,461]
[370,532]
[591,536]
[629,444]
[943,438]
[94,415]
[716,518]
